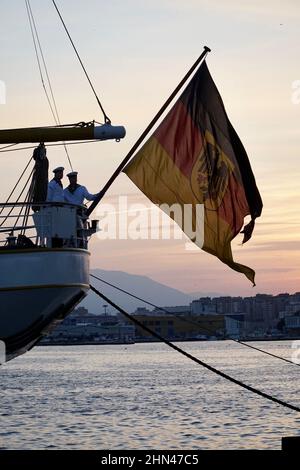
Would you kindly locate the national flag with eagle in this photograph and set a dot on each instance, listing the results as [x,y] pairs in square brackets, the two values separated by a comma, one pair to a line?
[196,157]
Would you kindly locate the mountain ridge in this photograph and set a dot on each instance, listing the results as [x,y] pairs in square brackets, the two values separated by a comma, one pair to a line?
[141,286]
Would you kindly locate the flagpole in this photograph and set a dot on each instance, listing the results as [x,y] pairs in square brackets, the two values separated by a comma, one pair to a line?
[146,131]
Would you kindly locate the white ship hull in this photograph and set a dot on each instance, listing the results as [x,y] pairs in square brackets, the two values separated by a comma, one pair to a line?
[38,288]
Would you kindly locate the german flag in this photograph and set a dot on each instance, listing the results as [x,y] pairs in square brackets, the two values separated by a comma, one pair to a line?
[196,157]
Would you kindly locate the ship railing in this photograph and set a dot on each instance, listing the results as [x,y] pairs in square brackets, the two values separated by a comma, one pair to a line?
[47,224]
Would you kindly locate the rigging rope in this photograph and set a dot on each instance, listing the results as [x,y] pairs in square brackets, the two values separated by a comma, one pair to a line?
[191,322]
[106,118]
[194,359]
[56,116]
[13,190]
[52,145]
[37,45]
[6,146]
[38,59]
[26,206]
[19,197]
[27,209]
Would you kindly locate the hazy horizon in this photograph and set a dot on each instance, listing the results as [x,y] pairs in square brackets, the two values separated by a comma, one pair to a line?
[190,293]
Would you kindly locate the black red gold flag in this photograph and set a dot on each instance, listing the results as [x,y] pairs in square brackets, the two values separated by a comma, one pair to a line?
[196,157]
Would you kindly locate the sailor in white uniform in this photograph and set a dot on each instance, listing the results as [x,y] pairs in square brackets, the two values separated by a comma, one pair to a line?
[75,193]
[55,191]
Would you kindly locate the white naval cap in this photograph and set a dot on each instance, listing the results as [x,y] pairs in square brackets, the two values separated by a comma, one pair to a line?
[72,173]
[59,168]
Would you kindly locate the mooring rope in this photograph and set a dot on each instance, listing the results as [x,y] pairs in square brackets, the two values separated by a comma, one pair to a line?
[193,358]
[194,323]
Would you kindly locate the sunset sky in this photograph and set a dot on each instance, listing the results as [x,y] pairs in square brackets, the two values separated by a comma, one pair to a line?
[136,53]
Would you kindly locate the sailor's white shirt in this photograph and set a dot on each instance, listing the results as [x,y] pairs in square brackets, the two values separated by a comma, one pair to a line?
[78,196]
[55,192]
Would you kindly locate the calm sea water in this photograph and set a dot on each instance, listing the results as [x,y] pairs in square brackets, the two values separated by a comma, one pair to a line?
[146,396]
